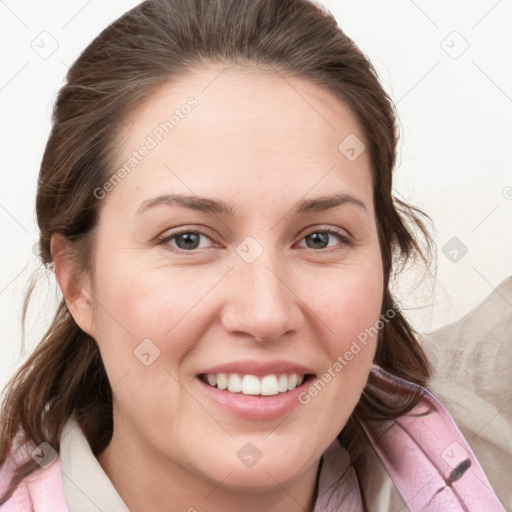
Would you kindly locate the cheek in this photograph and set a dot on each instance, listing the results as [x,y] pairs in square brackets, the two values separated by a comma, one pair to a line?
[349,307]
[147,311]
[349,303]
[145,301]
[141,335]
[360,305]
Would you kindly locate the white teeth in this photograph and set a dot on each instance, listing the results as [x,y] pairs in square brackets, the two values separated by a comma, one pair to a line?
[282,384]
[292,381]
[252,385]
[234,383]
[222,380]
[269,385]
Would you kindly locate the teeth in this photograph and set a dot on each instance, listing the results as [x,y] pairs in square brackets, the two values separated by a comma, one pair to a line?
[269,385]
[252,385]
[292,381]
[235,383]
[222,381]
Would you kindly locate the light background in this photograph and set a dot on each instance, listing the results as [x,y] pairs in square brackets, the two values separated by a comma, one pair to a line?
[455,109]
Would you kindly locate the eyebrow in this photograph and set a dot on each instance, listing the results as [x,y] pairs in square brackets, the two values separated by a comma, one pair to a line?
[206,205]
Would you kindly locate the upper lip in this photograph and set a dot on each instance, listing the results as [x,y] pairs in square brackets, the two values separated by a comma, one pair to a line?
[258,368]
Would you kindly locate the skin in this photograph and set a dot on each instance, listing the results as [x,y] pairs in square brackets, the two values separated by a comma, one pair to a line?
[260,142]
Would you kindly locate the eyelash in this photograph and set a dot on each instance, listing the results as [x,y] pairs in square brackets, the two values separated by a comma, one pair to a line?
[165,239]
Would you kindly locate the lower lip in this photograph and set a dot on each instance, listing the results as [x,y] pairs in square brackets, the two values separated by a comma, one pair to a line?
[255,407]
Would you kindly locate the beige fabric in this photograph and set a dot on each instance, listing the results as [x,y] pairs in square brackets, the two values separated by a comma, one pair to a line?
[472,358]
[87,488]
[379,491]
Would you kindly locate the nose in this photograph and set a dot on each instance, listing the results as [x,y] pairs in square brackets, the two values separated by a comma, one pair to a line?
[260,300]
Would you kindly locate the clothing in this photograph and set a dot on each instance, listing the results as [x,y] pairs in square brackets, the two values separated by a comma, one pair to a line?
[419,454]
[472,357]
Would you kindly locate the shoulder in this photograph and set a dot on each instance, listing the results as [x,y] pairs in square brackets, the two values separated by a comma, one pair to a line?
[472,358]
[427,457]
[20,500]
[41,491]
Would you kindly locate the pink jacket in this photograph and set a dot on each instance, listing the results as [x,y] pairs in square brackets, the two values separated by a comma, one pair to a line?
[427,458]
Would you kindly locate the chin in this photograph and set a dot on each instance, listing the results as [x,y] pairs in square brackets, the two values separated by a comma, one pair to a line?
[259,465]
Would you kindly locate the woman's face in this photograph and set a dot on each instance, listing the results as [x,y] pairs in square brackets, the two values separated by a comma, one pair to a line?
[247,279]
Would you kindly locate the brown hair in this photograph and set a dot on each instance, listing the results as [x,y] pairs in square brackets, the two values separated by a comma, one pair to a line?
[155,42]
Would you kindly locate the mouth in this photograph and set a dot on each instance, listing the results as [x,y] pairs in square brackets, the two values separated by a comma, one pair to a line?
[248,384]
[255,392]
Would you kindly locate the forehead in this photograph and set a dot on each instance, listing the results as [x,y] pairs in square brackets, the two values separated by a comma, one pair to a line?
[240,133]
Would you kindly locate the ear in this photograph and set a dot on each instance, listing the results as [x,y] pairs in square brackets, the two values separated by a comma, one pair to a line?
[76,289]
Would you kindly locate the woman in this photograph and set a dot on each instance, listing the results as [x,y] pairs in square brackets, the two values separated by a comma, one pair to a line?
[216,201]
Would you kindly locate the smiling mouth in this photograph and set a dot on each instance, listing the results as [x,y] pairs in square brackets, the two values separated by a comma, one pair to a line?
[246,384]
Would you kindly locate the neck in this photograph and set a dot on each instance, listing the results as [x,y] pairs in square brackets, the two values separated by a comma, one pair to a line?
[151,483]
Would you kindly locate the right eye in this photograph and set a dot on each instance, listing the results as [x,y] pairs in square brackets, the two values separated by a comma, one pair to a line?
[184,240]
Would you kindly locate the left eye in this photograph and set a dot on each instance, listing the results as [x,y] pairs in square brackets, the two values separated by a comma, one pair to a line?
[320,237]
